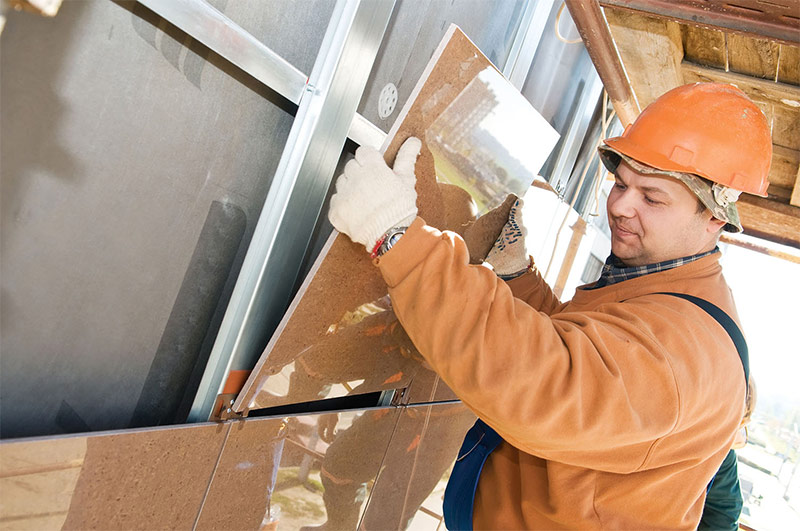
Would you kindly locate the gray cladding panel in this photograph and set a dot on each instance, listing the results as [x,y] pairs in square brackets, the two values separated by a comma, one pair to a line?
[414,31]
[118,134]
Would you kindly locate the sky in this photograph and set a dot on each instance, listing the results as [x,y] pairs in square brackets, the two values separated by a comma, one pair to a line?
[767,295]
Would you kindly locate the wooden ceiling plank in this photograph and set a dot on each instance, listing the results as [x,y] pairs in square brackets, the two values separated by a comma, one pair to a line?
[779,101]
[785,162]
[789,67]
[703,46]
[754,57]
[795,200]
[773,19]
[651,50]
[765,90]
[786,126]
[755,245]
[770,220]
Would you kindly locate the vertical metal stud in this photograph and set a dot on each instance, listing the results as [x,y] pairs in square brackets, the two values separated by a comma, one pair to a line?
[295,199]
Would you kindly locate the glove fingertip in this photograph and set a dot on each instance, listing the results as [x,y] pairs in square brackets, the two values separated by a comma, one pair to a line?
[367,155]
[407,155]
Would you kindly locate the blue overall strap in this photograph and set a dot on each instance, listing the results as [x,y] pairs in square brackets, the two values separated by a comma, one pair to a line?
[727,323]
[459,496]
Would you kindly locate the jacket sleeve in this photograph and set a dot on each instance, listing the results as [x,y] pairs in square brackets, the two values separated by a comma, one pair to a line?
[532,288]
[591,389]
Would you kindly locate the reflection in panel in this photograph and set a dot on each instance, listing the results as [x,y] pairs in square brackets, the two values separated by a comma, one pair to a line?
[341,335]
[410,488]
[134,166]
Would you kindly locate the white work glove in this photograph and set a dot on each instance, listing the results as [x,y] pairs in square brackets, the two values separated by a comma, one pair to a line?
[371,198]
[509,257]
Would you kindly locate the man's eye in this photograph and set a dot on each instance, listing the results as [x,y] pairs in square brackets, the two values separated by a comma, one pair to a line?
[619,186]
[651,201]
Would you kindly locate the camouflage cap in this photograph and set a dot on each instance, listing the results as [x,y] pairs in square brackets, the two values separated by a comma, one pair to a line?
[715,197]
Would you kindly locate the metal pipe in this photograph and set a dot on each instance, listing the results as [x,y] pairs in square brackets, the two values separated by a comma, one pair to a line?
[597,38]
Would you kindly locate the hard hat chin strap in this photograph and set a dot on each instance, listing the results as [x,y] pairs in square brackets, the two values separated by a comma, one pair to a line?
[724,195]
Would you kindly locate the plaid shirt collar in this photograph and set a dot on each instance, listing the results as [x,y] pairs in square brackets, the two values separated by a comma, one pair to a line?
[615,271]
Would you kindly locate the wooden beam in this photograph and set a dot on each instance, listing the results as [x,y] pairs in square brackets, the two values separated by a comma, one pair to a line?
[781,94]
[651,50]
[753,57]
[783,172]
[770,220]
[779,101]
[578,232]
[733,239]
[704,46]
[789,65]
[796,193]
[774,20]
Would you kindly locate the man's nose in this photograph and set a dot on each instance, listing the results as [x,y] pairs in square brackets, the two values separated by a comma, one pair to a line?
[622,205]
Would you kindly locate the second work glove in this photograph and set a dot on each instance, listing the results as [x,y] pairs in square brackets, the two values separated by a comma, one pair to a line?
[509,257]
[372,198]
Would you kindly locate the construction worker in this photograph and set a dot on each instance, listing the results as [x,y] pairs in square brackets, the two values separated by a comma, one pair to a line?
[615,409]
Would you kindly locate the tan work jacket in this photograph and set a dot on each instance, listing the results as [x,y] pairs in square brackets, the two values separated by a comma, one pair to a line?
[617,407]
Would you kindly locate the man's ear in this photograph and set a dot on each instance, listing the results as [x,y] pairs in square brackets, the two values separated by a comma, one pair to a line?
[714,225]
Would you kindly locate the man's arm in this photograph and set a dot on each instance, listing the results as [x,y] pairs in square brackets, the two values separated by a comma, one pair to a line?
[511,261]
[534,291]
[591,388]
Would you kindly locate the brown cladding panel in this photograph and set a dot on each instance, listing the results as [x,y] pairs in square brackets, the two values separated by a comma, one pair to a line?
[327,467]
[340,334]
[418,462]
[37,480]
[238,495]
[155,479]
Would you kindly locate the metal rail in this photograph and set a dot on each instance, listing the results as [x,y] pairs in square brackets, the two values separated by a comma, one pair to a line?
[204,23]
[297,193]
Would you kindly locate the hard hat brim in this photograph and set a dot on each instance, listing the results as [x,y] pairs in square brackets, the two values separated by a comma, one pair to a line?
[697,184]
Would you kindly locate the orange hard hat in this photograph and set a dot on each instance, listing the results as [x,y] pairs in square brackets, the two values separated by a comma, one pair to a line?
[708,129]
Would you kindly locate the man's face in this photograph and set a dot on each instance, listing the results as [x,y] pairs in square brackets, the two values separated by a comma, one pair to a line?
[654,218]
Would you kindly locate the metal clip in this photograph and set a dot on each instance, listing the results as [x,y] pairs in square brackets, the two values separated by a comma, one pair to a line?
[223,408]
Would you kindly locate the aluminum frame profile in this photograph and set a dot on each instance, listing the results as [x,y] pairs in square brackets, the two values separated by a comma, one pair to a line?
[234,44]
[526,41]
[210,27]
[576,131]
[296,196]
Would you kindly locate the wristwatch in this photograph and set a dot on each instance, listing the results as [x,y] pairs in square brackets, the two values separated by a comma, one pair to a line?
[390,239]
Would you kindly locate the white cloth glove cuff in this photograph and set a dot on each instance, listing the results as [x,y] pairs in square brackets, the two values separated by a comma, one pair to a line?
[395,215]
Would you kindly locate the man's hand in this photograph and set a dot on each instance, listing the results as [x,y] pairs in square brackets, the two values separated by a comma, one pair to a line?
[326,427]
[372,198]
[509,257]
